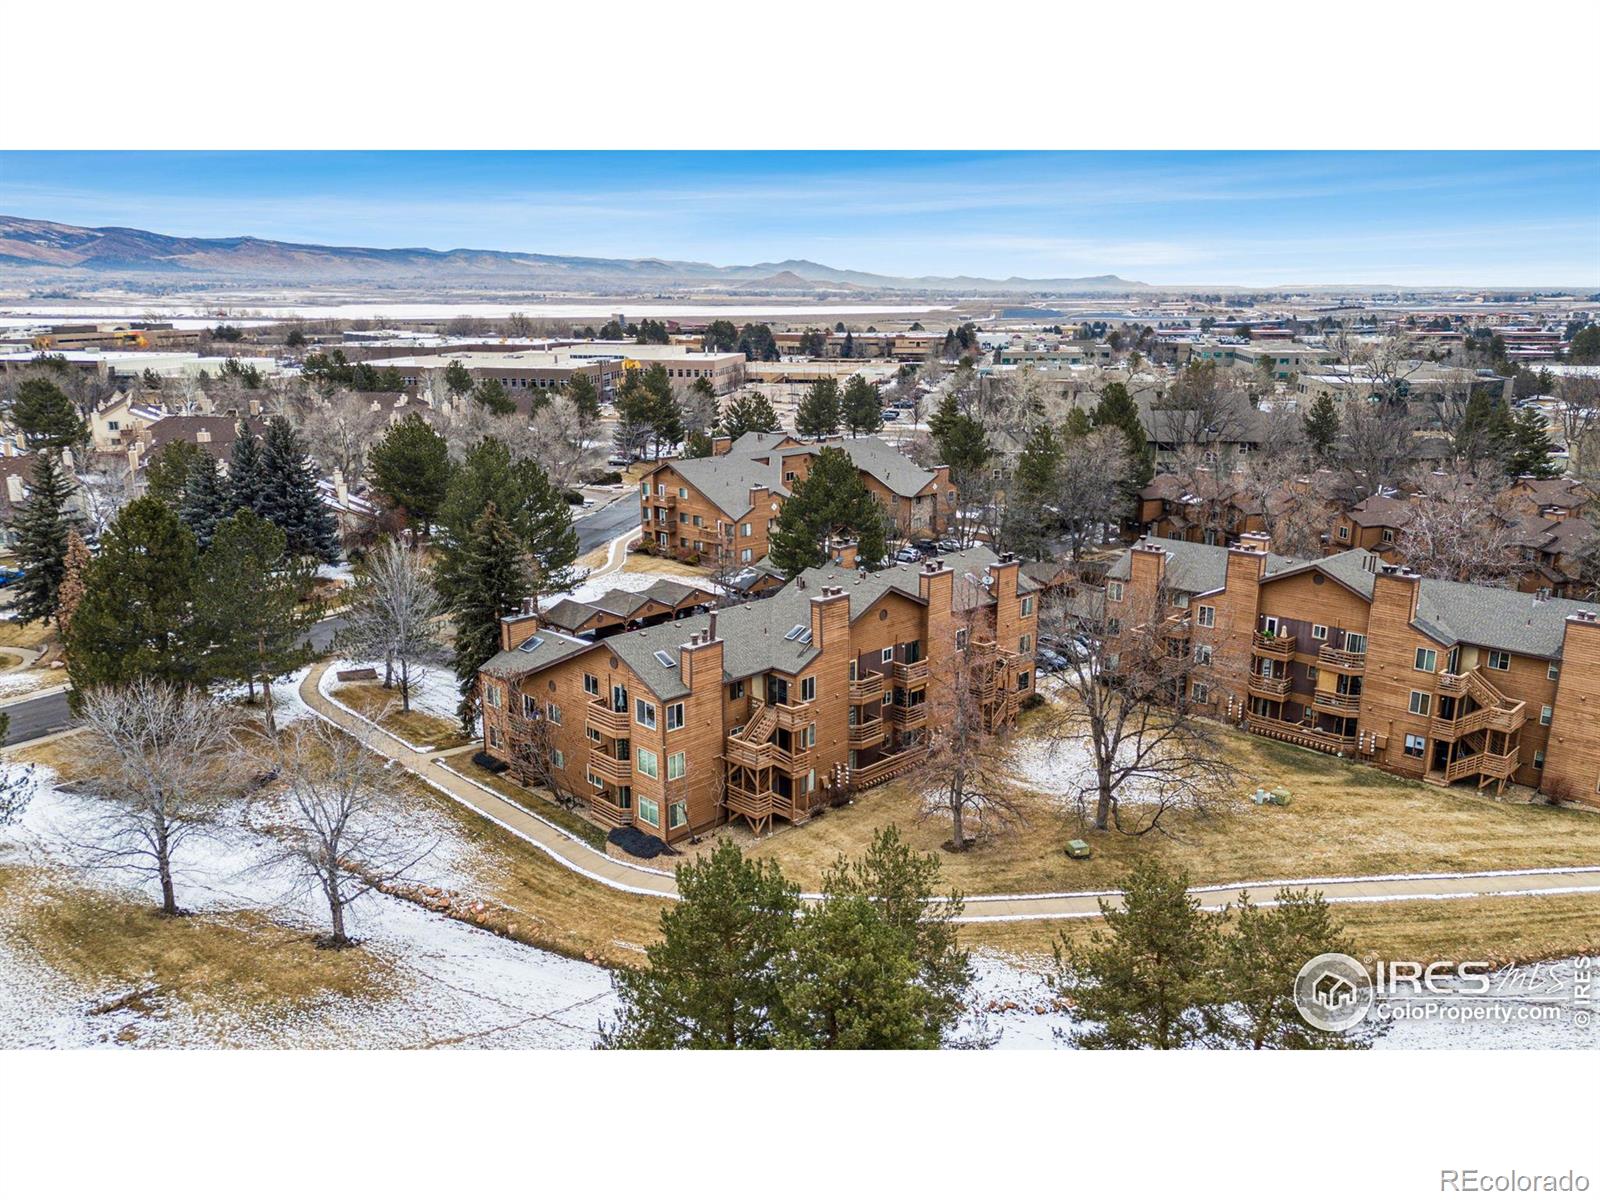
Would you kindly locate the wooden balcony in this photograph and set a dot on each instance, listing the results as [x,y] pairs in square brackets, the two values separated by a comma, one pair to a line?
[1501,720]
[603,807]
[604,719]
[1452,685]
[1278,646]
[615,771]
[1340,703]
[886,768]
[867,689]
[910,674]
[866,733]
[757,806]
[794,717]
[1342,662]
[746,753]
[1486,765]
[1301,735]
[1274,687]
[906,716]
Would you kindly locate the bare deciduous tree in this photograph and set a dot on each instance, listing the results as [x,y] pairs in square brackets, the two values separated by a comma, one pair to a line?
[340,429]
[559,443]
[162,760]
[1375,447]
[1460,528]
[105,486]
[397,614]
[1090,491]
[340,838]
[1131,697]
[1578,410]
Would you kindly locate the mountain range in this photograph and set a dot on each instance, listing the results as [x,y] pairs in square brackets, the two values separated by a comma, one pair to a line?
[49,248]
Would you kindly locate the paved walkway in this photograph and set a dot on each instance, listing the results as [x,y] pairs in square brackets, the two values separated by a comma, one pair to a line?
[1058,906]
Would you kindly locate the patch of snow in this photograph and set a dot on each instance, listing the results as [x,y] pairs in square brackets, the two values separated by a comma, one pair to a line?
[591,590]
[337,572]
[23,683]
[433,691]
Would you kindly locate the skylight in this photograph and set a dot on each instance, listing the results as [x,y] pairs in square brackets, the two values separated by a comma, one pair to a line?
[665,659]
[794,633]
[531,644]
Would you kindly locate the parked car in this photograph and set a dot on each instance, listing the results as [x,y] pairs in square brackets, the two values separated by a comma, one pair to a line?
[10,575]
[907,555]
[1049,660]
[924,545]
[891,414]
[948,546]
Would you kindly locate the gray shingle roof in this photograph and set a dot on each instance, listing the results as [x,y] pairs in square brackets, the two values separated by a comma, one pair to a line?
[544,649]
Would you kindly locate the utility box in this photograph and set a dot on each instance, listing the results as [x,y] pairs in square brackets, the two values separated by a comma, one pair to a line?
[1077,848]
[1278,796]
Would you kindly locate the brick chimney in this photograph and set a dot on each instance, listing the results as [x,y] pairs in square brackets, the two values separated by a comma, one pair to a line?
[518,627]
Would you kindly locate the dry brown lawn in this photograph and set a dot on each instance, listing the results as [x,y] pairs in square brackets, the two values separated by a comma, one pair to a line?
[650,564]
[1343,819]
[382,705]
[121,946]
[31,636]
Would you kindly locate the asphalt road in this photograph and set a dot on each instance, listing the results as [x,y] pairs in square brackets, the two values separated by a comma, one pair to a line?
[45,715]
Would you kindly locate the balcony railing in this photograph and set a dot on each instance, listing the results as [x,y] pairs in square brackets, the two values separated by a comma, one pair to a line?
[906,716]
[1272,686]
[616,771]
[1501,720]
[1301,735]
[1344,662]
[795,716]
[602,717]
[866,689]
[1272,645]
[752,804]
[907,673]
[894,764]
[605,808]
[866,733]
[1491,766]
[1337,702]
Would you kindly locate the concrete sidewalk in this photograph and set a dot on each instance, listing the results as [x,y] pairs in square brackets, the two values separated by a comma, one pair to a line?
[1059,906]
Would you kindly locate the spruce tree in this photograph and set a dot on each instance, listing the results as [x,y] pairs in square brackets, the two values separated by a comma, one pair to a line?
[1147,979]
[1117,407]
[959,439]
[46,415]
[698,445]
[137,619]
[747,413]
[247,605]
[410,469]
[167,473]
[205,500]
[246,471]
[861,407]
[711,980]
[1322,426]
[289,497]
[43,527]
[818,413]
[830,502]
[585,398]
[1529,446]
[492,394]
[490,580]
[1034,485]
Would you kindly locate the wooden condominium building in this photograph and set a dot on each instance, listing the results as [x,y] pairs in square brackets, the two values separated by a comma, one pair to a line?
[764,710]
[1350,655]
[692,508]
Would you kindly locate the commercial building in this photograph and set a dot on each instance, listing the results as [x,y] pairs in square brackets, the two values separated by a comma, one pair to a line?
[766,710]
[1447,682]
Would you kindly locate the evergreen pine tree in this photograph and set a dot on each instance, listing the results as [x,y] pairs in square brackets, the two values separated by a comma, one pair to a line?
[136,617]
[830,502]
[698,445]
[959,439]
[492,394]
[1147,980]
[585,398]
[1034,485]
[711,980]
[818,413]
[1322,426]
[410,469]
[490,581]
[46,415]
[205,500]
[246,472]
[1529,446]
[861,407]
[247,605]
[167,473]
[1117,407]
[747,413]
[43,527]
[289,497]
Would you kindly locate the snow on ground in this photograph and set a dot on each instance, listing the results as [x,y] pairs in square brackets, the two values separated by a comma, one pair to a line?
[457,985]
[433,688]
[22,683]
[337,572]
[287,707]
[591,590]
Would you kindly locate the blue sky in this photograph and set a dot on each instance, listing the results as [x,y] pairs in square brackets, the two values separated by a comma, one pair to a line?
[1191,217]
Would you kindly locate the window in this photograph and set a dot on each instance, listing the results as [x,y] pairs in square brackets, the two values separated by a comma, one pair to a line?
[553,711]
[677,814]
[1421,704]
[675,716]
[530,707]
[591,685]
[644,713]
[1023,679]
[492,695]
[665,659]
[1200,693]
[1025,643]
[808,689]
[888,654]
[1027,606]
[683,493]
[808,737]
[649,766]
[1113,626]
[1202,655]
[1388,535]
[744,555]
[744,530]
[1553,671]
[1499,660]
[1427,660]
[1538,760]
[1206,617]
[1415,745]
[961,638]
[557,759]
[1544,715]
[1355,643]
[494,737]
[649,811]
[592,732]
[1319,633]
[736,690]
[675,765]
[1114,591]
